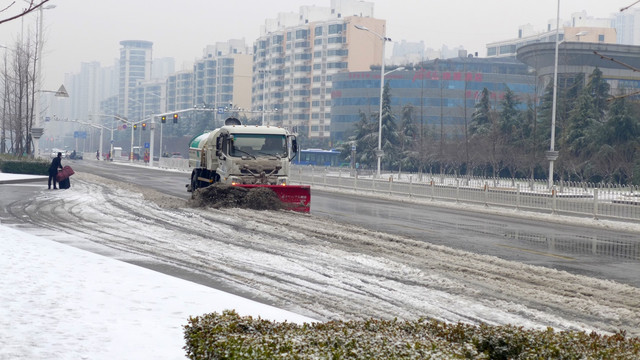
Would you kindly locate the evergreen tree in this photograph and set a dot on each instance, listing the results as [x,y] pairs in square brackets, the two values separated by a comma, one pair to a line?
[530,134]
[580,134]
[480,120]
[509,114]
[410,146]
[366,140]
[622,133]
[511,132]
[390,138]
[543,127]
[598,88]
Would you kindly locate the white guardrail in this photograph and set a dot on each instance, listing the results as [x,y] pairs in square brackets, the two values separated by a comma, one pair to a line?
[576,199]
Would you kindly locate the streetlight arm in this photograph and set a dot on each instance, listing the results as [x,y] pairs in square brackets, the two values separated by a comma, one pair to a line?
[364,28]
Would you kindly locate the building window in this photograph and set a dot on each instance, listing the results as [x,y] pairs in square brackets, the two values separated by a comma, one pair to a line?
[335,29]
[601,38]
[301,34]
[507,49]
[318,30]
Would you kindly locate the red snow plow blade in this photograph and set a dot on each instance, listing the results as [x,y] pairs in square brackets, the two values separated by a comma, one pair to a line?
[294,197]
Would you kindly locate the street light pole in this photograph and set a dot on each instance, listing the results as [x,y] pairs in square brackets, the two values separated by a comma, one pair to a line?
[152,133]
[379,152]
[552,155]
[37,131]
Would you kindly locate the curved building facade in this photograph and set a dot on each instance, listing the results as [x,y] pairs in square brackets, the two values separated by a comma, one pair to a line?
[617,63]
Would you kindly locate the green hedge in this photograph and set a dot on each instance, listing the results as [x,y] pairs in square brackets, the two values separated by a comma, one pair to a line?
[230,336]
[16,165]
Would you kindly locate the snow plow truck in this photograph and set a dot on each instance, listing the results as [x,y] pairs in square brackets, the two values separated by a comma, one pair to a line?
[247,156]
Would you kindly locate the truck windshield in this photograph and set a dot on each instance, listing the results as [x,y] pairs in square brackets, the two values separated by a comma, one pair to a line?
[258,145]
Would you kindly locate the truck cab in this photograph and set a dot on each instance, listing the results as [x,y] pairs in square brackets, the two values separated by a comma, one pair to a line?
[242,154]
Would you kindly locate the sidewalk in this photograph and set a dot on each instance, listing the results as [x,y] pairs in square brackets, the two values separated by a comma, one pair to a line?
[60,302]
[21,178]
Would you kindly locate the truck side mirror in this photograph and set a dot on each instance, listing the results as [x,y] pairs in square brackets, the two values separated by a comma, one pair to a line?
[219,146]
[294,147]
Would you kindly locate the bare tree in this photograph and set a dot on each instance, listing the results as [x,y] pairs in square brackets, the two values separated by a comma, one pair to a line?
[12,11]
[18,93]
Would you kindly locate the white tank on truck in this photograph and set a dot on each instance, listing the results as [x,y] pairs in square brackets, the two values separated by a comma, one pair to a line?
[246,156]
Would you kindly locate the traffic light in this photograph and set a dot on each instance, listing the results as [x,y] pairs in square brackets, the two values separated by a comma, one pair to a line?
[144,126]
[175,118]
[163,119]
[135,127]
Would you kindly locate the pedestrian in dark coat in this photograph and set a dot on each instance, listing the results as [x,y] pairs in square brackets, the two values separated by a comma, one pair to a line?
[56,164]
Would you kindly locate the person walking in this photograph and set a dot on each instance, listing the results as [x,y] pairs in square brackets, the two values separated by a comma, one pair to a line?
[56,164]
[98,155]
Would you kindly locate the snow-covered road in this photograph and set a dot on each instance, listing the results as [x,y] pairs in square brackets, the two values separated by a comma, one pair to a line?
[327,270]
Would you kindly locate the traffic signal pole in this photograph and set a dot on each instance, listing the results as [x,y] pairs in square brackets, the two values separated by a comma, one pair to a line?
[163,119]
[153,128]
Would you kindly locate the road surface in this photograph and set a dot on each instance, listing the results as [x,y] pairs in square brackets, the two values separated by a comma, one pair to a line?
[334,264]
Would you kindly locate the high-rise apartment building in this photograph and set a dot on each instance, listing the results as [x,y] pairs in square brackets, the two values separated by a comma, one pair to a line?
[163,67]
[135,65]
[180,91]
[627,25]
[296,57]
[223,76]
[148,98]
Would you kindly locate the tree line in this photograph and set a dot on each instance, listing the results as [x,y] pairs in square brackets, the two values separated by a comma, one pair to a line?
[18,91]
[596,135]
[18,82]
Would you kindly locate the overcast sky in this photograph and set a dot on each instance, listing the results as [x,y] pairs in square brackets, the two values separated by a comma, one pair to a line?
[90,30]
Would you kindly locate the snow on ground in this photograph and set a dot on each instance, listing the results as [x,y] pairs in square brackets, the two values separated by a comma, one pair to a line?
[315,267]
[60,302]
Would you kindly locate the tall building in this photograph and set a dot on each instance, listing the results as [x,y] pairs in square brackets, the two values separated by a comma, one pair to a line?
[405,52]
[163,67]
[627,25]
[135,65]
[295,59]
[148,98]
[180,91]
[222,78]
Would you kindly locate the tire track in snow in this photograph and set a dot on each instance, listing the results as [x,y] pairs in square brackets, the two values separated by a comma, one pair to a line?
[329,270]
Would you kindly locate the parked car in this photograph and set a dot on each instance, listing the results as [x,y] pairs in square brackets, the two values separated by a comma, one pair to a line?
[55,152]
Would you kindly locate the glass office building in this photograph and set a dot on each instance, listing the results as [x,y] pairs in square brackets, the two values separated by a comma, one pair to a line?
[440,91]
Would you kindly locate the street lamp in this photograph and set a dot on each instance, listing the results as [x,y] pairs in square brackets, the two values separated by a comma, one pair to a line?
[37,131]
[552,155]
[379,152]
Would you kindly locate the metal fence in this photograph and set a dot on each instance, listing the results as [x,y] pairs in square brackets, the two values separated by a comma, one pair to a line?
[598,201]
